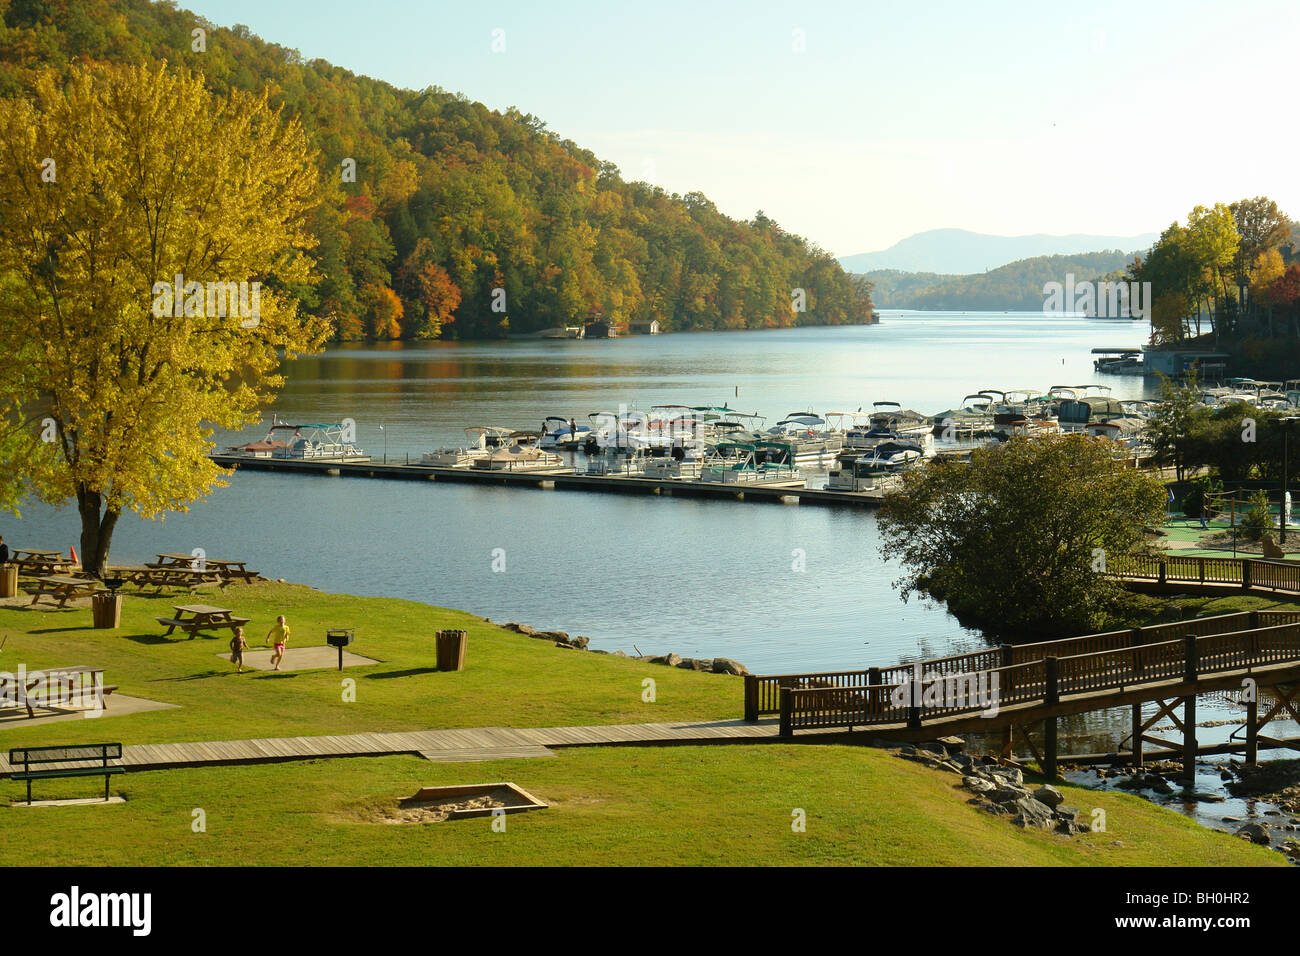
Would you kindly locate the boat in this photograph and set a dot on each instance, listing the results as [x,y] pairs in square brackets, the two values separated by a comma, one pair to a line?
[563,433]
[521,455]
[860,474]
[969,419]
[894,456]
[482,440]
[1076,414]
[753,464]
[307,442]
[811,439]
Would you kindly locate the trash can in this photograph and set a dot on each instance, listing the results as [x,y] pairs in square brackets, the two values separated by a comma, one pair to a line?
[8,580]
[451,650]
[106,607]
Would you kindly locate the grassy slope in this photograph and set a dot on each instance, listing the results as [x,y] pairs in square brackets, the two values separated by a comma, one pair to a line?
[510,680]
[629,806]
[673,805]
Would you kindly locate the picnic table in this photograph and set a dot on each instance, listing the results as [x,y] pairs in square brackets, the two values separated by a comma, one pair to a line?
[202,617]
[146,575]
[55,689]
[64,587]
[225,567]
[33,562]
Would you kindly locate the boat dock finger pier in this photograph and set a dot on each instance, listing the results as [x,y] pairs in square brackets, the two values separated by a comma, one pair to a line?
[560,479]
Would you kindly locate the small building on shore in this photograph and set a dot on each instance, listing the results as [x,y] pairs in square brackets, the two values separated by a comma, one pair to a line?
[644,328]
[1176,362]
[600,329]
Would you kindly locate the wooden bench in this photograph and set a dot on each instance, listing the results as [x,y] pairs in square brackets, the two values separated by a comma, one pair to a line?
[50,762]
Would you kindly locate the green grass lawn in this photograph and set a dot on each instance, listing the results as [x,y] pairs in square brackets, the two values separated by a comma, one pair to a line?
[628,806]
[509,680]
[610,805]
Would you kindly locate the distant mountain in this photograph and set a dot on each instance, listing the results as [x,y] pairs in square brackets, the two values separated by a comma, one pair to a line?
[1017,286]
[958,252]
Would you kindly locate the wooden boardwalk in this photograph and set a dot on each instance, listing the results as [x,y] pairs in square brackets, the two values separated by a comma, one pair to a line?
[1012,687]
[480,743]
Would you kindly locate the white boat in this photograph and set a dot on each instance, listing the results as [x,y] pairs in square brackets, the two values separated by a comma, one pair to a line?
[811,439]
[308,442]
[752,464]
[521,455]
[563,433]
[893,456]
[482,440]
[860,474]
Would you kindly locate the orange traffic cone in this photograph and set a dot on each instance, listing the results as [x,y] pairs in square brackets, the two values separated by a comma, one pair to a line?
[74,555]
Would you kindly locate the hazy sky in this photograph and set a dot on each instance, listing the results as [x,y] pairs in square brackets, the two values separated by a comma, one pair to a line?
[857,124]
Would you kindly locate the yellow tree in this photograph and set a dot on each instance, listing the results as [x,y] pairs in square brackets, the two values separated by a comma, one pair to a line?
[120,188]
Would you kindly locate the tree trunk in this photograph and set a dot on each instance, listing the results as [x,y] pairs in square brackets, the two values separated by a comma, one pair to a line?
[96,531]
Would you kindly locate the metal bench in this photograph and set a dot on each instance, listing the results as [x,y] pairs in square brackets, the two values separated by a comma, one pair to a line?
[50,762]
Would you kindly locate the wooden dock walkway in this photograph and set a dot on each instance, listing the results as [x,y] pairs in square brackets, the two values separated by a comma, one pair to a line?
[562,481]
[1013,687]
[457,745]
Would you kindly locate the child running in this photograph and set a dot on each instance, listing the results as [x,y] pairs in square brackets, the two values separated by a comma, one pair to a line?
[237,647]
[279,635]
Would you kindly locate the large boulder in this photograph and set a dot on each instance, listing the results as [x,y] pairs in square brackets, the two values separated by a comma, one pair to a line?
[978,784]
[1032,814]
[1254,832]
[1008,794]
[1049,795]
[725,665]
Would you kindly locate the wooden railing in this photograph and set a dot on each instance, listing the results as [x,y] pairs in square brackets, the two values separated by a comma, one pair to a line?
[1182,569]
[763,692]
[1199,649]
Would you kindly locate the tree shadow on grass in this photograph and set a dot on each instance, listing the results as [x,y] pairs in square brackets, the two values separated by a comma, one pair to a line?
[409,672]
[202,675]
[152,639]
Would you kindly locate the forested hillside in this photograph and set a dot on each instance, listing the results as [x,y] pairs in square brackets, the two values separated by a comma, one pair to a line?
[1017,286]
[452,200]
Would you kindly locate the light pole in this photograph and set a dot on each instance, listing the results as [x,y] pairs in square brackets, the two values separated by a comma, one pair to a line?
[1286,464]
[381,428]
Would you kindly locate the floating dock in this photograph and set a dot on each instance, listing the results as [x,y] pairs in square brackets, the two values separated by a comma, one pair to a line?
[561,479]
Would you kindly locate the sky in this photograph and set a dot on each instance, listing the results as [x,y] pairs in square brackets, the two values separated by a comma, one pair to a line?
[856,124]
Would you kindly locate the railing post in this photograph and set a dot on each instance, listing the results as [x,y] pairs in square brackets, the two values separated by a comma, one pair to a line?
[1135,641]
[1245,573]
[1252,620]
[751,698]
[1052,696]
[787,724]
[1007,661]
[1160,572]
[1189,659]
[874,705]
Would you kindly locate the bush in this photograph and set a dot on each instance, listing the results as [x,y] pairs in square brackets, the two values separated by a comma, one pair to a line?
[1194,500]
[1258,519]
